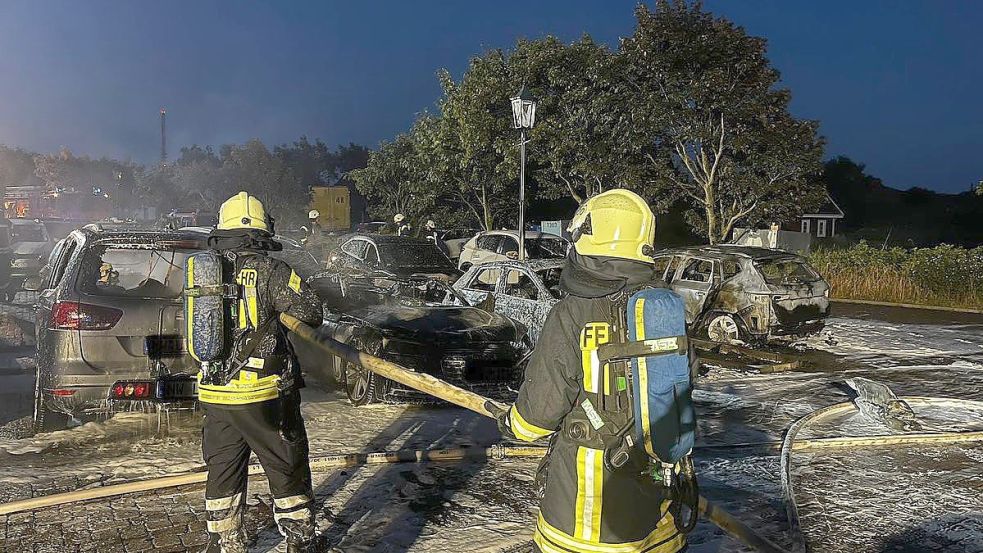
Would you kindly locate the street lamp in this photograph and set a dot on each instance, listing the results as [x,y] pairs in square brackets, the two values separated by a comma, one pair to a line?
[523,118]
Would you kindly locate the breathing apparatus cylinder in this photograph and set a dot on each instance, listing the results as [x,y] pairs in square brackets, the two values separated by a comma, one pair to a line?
[210,303]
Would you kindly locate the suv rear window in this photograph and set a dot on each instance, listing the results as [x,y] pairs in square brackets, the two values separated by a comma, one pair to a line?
[786,271]
[133,273]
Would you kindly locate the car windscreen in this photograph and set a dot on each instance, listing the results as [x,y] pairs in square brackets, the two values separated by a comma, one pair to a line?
[546,248]
[424,255]
[786,271]
[138,273]
[26,233]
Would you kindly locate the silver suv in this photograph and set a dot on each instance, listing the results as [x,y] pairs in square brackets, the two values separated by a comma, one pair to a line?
[109,309]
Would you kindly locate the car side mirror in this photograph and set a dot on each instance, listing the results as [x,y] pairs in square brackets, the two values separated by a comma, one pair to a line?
[32,283]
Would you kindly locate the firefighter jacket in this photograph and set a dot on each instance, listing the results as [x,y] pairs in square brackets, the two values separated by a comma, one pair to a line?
[263,365]
[586,507]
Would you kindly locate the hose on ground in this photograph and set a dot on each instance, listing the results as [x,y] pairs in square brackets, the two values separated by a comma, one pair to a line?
[789,444]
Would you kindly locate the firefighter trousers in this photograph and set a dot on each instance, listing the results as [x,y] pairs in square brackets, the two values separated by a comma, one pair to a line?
[274,431]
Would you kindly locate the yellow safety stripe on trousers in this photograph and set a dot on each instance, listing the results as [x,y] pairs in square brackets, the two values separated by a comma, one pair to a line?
[291,502]
[523,429]
[240,391]
[223,503]
[224,525]
[590,490]
[643,398]
[592,336]
[665,538]
[299,514]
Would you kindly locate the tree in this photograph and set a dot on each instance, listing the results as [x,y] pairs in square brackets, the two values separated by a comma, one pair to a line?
[395,178]
[705,103]
[251,167]
[16,168]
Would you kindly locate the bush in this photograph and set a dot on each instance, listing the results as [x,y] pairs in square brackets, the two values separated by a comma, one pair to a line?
[944,275]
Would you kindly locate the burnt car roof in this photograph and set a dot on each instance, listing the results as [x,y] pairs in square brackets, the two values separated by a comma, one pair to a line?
[727,250]
[532,264]
[143,235]
[388,238]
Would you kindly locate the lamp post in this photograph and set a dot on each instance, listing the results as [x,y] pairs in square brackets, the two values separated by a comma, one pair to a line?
[523,118]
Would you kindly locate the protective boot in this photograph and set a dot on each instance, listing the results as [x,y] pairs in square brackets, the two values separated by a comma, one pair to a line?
[232,541]
[299,535]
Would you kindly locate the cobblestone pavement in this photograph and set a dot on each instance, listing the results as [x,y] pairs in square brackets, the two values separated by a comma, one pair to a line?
[412,507]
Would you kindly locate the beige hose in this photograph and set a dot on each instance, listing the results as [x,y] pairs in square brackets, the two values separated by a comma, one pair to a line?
[318,464]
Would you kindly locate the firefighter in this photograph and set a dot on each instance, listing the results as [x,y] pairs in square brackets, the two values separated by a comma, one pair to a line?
[313,228]
[401,225]
[257,409]
[587,505]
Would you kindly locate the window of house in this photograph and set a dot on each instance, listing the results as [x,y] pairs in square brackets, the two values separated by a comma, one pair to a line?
[698,270]
[519,285]
[805,226]
[821,228]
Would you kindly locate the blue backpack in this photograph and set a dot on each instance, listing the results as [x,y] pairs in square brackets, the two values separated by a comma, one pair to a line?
[653,341]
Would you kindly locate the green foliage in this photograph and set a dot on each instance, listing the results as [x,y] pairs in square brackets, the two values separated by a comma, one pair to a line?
[944,275]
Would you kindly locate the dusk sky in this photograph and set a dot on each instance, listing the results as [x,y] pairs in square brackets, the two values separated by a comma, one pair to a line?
[897,85]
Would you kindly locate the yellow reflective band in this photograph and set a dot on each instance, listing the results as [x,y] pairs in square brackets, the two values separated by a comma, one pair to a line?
[240,391]
[592,336]
[224,525]
[222,503]
[590,479]
[256,362]
[300,514]
[189,337]
[643,380]
[665,538]
[248,306]
[294,283]
[290,502]
[524,430]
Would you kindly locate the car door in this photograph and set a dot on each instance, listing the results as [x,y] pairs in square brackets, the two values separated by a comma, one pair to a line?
[694,283]
[523,298]
[486,249]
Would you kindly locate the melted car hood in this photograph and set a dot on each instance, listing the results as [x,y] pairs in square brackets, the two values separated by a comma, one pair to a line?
[439,322]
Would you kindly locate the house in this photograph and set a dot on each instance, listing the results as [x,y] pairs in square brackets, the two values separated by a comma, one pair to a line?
[822,223]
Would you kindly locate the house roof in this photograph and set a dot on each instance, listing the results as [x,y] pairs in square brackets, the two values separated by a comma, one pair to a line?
[828,210]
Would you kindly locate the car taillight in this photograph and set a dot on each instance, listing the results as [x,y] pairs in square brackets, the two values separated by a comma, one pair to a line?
[73,315]
[132,390]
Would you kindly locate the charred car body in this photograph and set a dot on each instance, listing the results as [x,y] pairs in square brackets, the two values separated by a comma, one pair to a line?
[738,293]
[412,321]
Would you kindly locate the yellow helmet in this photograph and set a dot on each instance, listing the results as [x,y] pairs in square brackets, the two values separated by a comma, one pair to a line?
[616,223]
[243,211]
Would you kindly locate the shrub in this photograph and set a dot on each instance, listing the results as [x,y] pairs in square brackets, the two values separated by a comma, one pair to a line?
[944,275]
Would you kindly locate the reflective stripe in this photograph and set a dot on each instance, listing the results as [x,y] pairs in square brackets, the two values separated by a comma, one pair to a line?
[222,503]
[300,514]
[190,302]
[256,362]
[590,480]
[294,282]
[665,538]
[290,502]
[248,306]
[643,380]
[523,429]
[224,525]
[240,391]
[592,336]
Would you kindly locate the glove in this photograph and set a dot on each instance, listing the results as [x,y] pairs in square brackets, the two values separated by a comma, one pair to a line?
[501,419]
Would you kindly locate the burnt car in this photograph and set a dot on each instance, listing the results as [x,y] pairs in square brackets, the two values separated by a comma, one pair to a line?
[109,308]
[31,244]
[400,256]
[746,294]
[523,291]
[419,323]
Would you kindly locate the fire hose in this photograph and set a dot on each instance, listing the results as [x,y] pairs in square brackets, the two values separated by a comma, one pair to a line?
[484,406]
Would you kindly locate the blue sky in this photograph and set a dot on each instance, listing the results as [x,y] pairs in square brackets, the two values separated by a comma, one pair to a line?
[897,85]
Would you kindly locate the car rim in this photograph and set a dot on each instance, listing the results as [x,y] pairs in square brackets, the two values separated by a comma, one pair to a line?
[723,329]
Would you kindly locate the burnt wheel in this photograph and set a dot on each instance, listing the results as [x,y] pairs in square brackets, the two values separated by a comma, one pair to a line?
[363,386]
[723,328]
